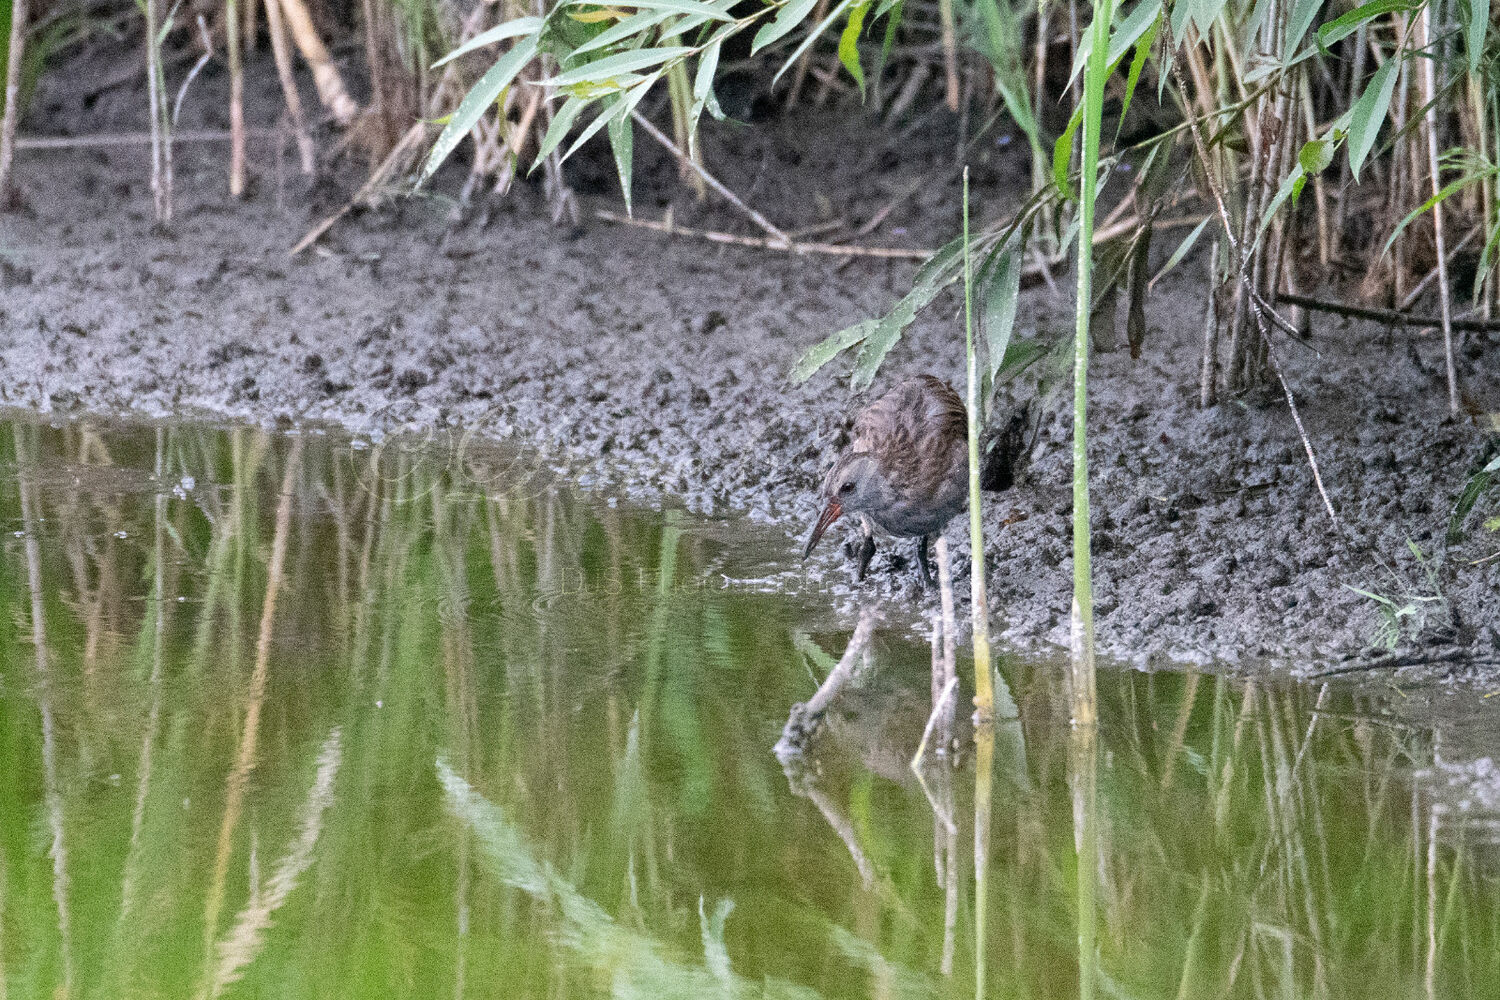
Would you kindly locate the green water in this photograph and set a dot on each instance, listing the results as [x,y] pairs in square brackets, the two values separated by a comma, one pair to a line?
[496,739]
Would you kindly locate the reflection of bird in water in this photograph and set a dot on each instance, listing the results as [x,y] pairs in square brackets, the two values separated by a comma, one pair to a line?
[906,470]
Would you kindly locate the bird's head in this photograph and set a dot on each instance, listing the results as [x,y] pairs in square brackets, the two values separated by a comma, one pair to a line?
[853,484]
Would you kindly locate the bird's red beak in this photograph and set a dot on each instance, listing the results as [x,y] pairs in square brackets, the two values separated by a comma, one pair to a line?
[831,513]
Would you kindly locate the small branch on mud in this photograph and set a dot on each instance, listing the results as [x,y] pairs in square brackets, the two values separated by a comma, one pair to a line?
[391,165]
[1397,660]
[132,138]
[687,161]
[762,243]
[1390,316]
[805,717]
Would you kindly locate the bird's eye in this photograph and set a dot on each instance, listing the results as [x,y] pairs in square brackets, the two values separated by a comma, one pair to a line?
[847,488]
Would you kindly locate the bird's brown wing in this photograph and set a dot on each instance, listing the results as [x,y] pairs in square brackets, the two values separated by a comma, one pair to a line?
[917,432]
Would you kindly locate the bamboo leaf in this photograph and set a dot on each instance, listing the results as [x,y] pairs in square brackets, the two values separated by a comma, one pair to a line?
[616,108]
[1427,206]
[1303,14]
[1137,63]
[1001,295]
[1346,24]
[695,8]
[477,101]
[849,45]
[812,36]
[1127,32]
[632,26]
[621,143]
[829,348]
[1315,155]
[500,32]
[1367,114]
[1474,31]
[558,130]
[1062,156]
[1183,248]
[617,65]
[791,14]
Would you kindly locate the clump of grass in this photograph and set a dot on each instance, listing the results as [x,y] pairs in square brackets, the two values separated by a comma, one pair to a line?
[1409,611]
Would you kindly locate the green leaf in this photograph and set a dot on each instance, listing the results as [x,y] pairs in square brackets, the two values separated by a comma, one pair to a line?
[635,24]
[622,143]
[1427,206]
[1315,155]
[1347,24]
[1303,14]
[1474,31]
[617,65]
[500,32]
[829,348]
[791,14]
[1368,112]
[812,36]
[703,92]
[477,101]
[1183,248]
[696,8]
[849,45]
[615,108]
[1127,32]
[1062,156]
[558,130]
[1137,63]
[1000,299]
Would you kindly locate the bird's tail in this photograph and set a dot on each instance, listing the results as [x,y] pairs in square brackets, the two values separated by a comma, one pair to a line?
[1006,450]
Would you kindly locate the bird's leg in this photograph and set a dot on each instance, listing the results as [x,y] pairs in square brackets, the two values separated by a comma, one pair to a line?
[923,562]
[867,547]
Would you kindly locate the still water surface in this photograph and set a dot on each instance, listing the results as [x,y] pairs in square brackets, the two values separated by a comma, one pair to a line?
[294,716]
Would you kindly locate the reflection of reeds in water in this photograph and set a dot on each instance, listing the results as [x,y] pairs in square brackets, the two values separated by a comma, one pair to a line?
[1253,840]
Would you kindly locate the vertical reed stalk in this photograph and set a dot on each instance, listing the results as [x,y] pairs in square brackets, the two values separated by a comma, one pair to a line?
[283,56]
[950,53]
[1083,778]
[1430,126]
[984,769]
[14,53]
[984,695]
[236,100]
[1081,688]
[161,125]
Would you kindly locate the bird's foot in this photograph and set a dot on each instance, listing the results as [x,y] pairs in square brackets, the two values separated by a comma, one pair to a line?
[866,553]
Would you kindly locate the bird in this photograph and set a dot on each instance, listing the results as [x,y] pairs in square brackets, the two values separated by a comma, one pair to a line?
[906,469]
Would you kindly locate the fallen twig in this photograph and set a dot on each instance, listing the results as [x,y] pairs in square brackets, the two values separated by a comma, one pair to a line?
[1396,661]
[131,138]
[760,220]
[390,165]
[760,242]
[1390,316]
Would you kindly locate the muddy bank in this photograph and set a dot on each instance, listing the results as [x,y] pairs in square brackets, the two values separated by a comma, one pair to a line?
[658,364]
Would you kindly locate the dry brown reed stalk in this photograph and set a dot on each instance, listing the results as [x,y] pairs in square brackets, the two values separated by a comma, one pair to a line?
[15,51]
[787,245]
[276,28]
[326,77]
[236,100]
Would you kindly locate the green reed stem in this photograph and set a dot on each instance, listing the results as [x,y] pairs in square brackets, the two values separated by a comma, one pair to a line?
[984,695]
